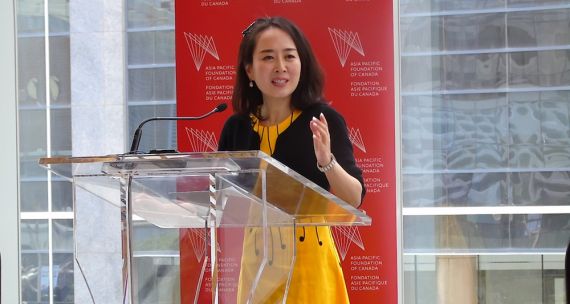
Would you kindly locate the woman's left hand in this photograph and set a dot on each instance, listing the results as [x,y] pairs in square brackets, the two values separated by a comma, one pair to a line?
[321,140]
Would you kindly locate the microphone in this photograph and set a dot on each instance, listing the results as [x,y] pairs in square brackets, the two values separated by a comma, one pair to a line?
[137,136]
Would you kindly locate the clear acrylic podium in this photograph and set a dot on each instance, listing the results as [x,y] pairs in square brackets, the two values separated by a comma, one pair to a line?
[226,198]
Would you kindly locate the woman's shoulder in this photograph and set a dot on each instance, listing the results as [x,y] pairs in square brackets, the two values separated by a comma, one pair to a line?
[327,109]
[237,119]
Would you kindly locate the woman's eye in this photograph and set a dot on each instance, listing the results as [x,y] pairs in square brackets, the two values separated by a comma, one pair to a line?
[267,57]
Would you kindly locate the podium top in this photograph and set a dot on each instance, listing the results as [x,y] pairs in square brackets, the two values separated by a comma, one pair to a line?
[159,180]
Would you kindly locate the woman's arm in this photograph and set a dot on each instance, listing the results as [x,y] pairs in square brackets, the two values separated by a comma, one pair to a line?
[343,185]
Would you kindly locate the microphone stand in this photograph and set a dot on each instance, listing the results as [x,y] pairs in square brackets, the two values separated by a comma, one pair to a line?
[138,132]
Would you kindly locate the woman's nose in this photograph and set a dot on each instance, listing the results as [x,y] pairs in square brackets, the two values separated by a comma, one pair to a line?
[280,66]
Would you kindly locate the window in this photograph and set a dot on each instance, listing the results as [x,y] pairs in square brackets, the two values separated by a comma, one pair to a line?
[485,149]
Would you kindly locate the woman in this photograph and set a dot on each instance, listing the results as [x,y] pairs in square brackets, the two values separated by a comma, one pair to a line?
[279,109]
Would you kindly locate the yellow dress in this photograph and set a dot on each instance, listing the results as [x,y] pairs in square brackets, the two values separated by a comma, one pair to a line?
[317,274]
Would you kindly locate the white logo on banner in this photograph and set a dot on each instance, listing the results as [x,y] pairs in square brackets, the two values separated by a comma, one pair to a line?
[344,41]
[356,139]
[199,45]
[202,141]
[198,238]
[344,236]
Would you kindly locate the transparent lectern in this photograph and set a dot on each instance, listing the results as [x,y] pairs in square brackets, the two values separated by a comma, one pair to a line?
[242,209]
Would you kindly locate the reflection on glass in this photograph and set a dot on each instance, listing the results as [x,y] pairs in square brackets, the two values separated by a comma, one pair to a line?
[30,16]
[485,233]
[35,277]
[455,131]
[60,132]
[473,32]
[31,71]
[534,3]
[58,16]
[157,263]
[481,71]
[149,13]
[34,235]
[150,238]
[63,278]
[538,28]
[60,82]
[151,84]
[506,146]
[421,34]
[62,195]
[456,190]
[431,6]
[428,78]
[543,69]
[33,196]
[62,235]
[541,188]
[152,47]
[33,131]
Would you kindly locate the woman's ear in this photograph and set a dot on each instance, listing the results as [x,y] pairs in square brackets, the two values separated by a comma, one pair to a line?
[248,71]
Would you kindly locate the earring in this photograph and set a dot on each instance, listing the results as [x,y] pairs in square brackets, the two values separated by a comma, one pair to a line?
[251,83]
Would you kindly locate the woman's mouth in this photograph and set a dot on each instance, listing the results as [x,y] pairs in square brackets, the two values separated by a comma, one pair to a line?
[279,82]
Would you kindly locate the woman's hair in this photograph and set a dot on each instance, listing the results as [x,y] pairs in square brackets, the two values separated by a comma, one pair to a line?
[246,99]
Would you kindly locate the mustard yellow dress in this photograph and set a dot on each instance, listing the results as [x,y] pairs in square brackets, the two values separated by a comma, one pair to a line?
[317,274]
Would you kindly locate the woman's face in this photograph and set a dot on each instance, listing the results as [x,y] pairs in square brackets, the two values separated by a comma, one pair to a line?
[276,67]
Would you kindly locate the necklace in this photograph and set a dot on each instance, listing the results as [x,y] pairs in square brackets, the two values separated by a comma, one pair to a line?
[268,134]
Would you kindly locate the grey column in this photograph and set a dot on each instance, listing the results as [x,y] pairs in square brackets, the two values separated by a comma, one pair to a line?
[97,42]
[9,217]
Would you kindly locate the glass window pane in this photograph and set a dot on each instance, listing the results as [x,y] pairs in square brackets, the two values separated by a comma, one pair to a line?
[149,13]
[60,132]
[472,32]
[63,261]
[34,235]
[158,134]
[423,6]
[141,84]
[31,71]
[421,34]
[542,69]
[33,131]
[164,47]
[60,83]
[485,233]
[539,28]
[428,78]
[58,16]
[534,3]
[34,280]
[484,124]
[62,236]
[33,196]
[30,16]
[152,47]
[63,278]
[151,84]
[62,195]
[480,71]
[29,167]
[149,238]
[140,47]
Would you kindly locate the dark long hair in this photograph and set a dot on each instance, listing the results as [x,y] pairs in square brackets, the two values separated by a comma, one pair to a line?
[247,100]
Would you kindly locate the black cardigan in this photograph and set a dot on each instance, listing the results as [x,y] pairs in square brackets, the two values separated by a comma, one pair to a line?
[294,147]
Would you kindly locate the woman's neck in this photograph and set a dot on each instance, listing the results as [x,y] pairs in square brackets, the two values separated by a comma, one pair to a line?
[275,112]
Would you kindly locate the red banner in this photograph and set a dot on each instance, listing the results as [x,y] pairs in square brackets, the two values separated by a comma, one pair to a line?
[353,40]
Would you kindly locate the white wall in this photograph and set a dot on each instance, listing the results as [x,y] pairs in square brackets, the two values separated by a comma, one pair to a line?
[9,214]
